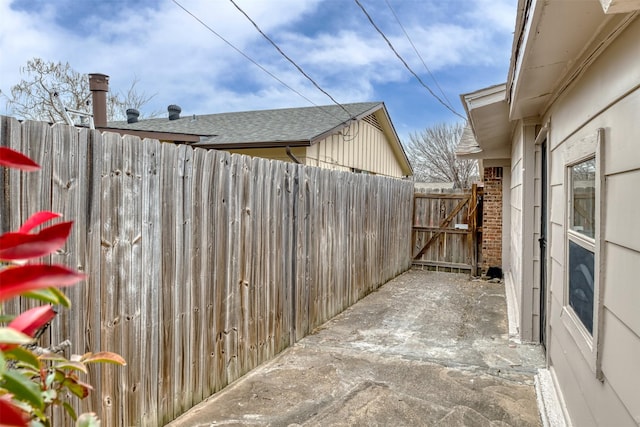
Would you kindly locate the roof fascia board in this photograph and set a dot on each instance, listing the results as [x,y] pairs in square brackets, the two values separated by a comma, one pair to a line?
[484,97]
[397,147]
[389,130]
[529,18]
[162,136]
[261,144]
[518,34]
[345,124]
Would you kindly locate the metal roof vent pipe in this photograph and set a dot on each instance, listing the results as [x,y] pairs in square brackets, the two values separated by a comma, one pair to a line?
[132,115]
[99,86]
[174,112]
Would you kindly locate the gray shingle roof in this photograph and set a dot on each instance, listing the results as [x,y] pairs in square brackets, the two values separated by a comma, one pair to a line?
[263,126]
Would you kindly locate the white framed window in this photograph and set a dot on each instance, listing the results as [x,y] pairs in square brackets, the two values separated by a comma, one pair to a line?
[581,241]
[584,247]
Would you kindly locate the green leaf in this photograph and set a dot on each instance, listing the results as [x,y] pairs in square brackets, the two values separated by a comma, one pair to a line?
[11,336]
[77,387]
[70,411]
[42,418]
[23,355]
[3,364]
[89,419]
[22,388]
[53,357]
[76,366]
[104,357]
[50,295]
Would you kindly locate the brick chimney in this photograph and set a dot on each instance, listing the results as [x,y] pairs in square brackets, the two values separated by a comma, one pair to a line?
[99,86]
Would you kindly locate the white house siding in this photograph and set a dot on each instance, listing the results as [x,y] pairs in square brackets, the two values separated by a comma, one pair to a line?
[506,218]
[522,217]
[363,147]
[514,274]
[606,96]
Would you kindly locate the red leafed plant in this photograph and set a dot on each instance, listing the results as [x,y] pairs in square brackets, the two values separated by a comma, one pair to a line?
[33,379]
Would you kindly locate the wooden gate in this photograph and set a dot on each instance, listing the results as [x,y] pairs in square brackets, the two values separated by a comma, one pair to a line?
[446,230]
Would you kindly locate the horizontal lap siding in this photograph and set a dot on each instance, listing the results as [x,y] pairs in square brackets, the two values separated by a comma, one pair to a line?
[614,401]
[201,264]
[361,146]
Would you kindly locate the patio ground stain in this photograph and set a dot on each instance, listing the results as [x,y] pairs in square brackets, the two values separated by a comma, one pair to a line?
[426,349]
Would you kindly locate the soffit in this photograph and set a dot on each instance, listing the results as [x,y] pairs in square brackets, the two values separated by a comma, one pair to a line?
[488,113]
[554,36]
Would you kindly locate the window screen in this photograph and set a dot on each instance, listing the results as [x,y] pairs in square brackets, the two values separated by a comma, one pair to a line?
[583,197]
[581,234]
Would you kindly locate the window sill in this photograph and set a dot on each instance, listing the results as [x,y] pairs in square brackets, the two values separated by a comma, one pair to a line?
[581,337]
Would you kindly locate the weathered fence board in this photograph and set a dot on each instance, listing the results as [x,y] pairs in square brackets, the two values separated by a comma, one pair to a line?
[150,280]
[445,232]
[201,265]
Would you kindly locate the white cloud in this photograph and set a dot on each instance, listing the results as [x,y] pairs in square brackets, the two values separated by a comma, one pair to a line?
[22,36]
[496,15]
[182,62]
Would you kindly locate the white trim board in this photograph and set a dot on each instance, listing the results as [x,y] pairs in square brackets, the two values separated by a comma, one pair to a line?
[549,404]
[513,311]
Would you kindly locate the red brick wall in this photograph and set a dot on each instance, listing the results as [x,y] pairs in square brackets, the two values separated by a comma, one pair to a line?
[492,219]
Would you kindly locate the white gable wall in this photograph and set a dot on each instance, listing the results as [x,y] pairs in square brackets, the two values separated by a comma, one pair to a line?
[362,147]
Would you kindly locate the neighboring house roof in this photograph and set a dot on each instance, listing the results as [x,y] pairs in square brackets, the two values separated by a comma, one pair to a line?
[289,126]
[467,144]
[286,127]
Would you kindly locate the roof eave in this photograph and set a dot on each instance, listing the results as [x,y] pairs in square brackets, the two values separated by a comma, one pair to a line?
[252,144]
[397,147]
[488,113]
[388,128]
[345,124]
[161,136]
[548,55]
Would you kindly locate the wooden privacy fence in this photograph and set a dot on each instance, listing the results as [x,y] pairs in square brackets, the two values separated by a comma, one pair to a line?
[201,265]
[446,229]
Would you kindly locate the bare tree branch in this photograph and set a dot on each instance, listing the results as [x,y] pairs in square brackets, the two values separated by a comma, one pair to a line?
[432,153]
[34,97]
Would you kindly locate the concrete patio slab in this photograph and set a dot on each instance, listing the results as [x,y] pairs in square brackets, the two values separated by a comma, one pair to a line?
[426,349]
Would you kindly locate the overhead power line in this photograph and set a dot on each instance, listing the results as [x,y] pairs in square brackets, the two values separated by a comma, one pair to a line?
[444,95]
[289,59]
[257,64]
[405,62]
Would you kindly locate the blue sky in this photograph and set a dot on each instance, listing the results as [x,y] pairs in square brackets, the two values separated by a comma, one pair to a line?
[466,45]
